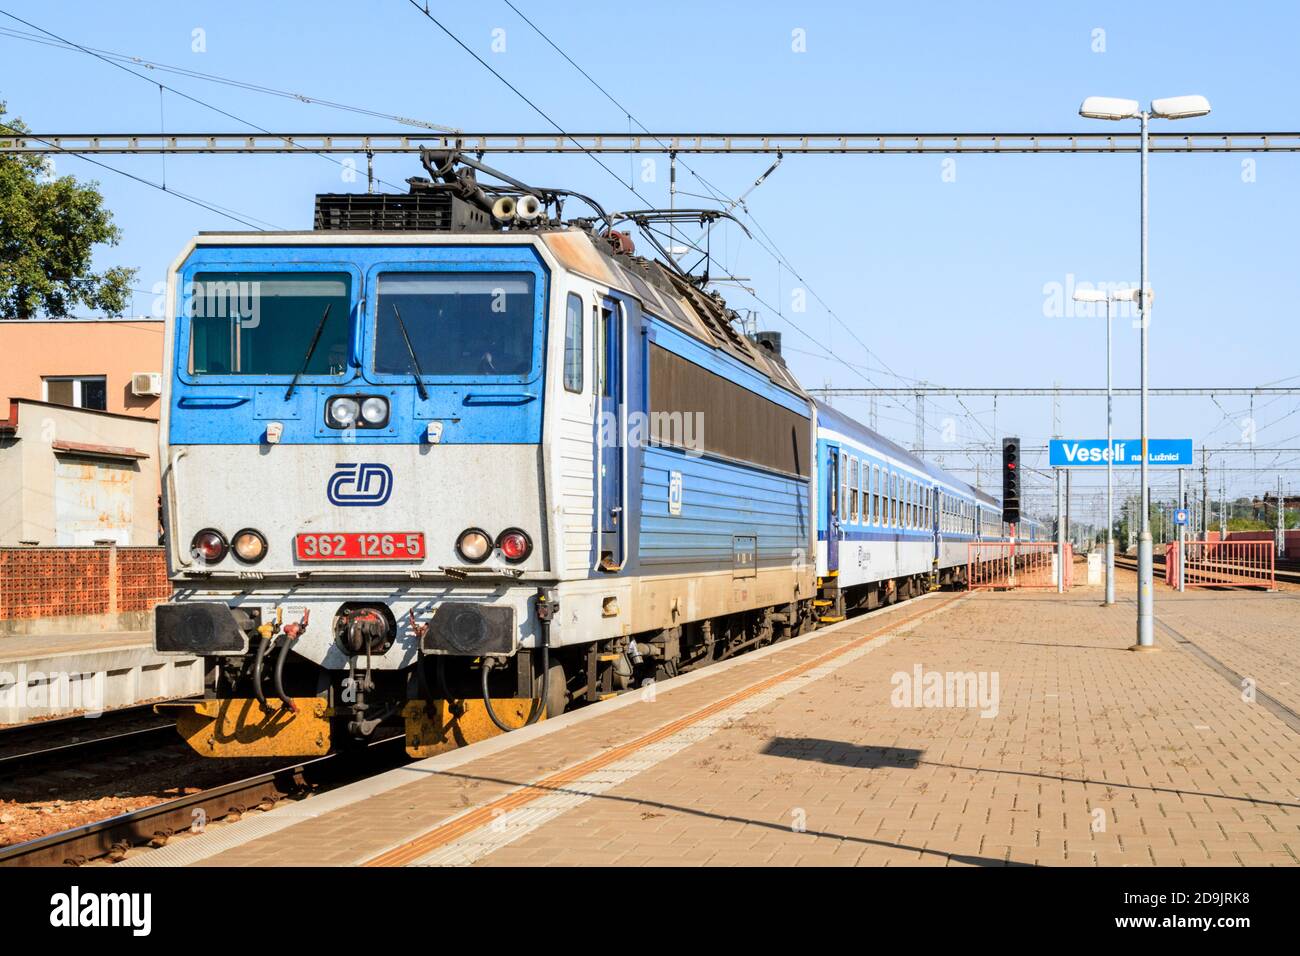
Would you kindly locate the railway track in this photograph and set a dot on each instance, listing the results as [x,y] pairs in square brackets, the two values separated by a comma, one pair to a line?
[16,736]
[75,741]
[155,825]
[78,753]
[1286,572]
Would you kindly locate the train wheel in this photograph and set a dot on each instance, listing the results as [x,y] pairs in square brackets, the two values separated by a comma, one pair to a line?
[557,693]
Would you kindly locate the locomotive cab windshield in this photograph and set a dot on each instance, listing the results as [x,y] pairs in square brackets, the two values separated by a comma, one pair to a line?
[456,324]
[263,323]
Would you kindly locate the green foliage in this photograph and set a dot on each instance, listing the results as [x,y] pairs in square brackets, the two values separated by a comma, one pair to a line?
[1249,524]
[48,230]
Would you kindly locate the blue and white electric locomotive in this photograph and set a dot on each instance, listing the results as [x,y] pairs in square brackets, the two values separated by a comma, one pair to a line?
[448,461]
[451,463]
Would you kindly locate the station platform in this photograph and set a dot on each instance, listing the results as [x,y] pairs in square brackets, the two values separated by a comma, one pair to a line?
[51,675]
[1041,741]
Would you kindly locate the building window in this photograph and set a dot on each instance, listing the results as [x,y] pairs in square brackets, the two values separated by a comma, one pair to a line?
[84,391]
[573,344]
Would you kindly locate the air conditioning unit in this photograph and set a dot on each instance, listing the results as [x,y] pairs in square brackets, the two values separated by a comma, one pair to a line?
[144,384]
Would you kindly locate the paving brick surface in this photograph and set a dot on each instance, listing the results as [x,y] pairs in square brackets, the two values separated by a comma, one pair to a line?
[1095,755]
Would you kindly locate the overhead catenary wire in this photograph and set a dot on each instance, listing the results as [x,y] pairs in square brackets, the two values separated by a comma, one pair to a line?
[718,195]
[424,9]
[178,92]
[240,217]
[246,85]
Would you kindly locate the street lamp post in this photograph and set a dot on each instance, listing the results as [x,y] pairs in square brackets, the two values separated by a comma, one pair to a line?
[1111,108]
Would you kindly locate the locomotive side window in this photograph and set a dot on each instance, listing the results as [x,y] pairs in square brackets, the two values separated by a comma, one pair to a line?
[762,432]
[573,355]
[263,323]
[458,323]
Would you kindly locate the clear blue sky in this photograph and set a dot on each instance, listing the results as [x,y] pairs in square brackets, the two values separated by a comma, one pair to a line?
[943,280]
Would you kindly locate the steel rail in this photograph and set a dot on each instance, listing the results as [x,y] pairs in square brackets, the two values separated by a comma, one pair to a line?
[160,821]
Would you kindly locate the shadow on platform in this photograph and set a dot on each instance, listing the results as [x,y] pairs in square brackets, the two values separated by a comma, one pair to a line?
[841,754]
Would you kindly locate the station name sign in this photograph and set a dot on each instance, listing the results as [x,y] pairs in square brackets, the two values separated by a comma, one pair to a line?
[1124,452]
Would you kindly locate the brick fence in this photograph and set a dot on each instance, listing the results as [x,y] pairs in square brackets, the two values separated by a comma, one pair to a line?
[77,582]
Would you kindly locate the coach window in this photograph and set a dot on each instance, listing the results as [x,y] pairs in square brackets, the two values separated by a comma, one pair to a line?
[573,355]
[844,485]
[853,490]
[875,494]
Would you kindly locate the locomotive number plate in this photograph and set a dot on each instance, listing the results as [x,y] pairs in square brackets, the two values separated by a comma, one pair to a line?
[359,546]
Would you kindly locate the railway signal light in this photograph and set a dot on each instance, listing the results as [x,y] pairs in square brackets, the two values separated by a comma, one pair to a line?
[1011,480]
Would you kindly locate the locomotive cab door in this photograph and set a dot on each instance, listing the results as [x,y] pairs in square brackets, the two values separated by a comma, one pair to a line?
[609,432]
[832,508]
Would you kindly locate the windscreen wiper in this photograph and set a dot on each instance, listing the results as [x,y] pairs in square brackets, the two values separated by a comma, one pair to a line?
[415,362]
[306,359]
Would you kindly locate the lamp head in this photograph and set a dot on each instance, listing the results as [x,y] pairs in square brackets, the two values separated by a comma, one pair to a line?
[1109,108]
[1180,107]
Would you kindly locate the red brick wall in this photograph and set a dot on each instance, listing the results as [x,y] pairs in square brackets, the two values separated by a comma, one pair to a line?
[64,582]
[141,578]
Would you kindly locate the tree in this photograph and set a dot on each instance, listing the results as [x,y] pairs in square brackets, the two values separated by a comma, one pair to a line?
[48,230]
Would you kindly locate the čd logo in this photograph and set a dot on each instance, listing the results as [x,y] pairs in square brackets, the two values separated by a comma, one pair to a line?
[360,485]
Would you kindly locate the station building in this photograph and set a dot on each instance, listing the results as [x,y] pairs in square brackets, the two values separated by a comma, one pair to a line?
[79,431]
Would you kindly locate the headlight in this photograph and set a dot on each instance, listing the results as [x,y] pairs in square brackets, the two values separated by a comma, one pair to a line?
[375,410]
[344,412]
[208,546]
[474,545]
[249,546]
[515,545]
